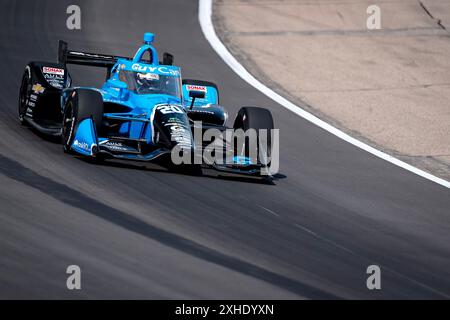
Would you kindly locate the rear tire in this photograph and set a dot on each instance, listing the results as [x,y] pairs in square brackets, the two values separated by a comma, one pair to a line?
[68,128]
[83,104]
[24,94]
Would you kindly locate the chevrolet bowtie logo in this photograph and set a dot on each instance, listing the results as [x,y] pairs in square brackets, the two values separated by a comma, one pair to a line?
[37,88]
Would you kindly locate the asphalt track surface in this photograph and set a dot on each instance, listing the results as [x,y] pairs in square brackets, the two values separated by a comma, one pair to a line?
[139,231]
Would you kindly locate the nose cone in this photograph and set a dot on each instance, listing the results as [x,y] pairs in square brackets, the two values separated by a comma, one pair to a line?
[149,37]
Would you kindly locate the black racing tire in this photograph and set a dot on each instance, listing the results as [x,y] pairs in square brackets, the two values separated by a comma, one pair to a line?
[24,94]
[255,118]
[82,104]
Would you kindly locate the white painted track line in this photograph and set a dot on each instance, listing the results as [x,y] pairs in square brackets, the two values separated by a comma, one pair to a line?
[204,16]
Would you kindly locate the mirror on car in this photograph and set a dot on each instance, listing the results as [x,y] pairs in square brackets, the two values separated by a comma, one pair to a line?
[195,95]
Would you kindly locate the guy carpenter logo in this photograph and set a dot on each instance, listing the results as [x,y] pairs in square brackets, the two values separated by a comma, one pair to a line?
[196,88]
[229,148]
[145,68]
[52,70]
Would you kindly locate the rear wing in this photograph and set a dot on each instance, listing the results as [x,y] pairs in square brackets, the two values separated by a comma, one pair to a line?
[66,56]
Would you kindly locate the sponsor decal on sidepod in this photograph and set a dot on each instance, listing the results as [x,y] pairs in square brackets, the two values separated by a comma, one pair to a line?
[37,88]
[52,70]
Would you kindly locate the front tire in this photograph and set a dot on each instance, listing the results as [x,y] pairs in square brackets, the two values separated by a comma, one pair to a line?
[256,118]
[82,105]
[68,127]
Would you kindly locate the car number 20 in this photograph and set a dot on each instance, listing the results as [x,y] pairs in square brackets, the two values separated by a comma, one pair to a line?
[170,109]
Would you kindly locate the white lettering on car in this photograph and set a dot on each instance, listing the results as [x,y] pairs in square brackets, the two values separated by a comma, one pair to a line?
[165,109]
[52,70]
[153,69]
[196,88]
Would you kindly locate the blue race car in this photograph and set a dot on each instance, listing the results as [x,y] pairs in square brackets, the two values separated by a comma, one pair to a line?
[143,111]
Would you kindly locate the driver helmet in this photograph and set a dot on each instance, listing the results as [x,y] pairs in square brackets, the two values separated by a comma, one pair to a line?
[148,80]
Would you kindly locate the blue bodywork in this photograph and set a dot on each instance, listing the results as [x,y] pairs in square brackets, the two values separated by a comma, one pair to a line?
[134,125]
